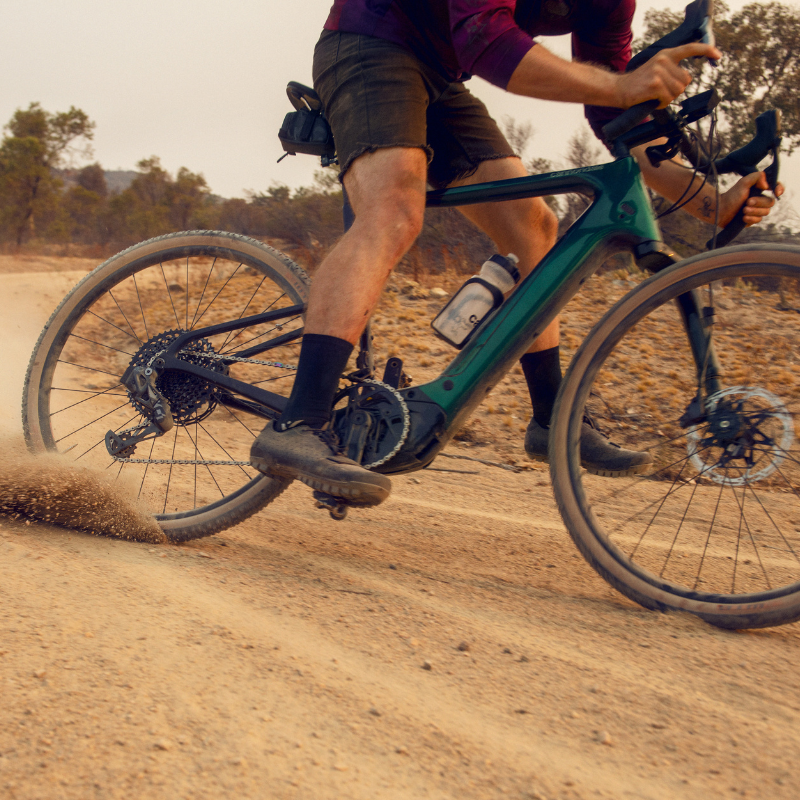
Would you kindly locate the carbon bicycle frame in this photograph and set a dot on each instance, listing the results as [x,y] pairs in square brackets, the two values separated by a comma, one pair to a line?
[619,218]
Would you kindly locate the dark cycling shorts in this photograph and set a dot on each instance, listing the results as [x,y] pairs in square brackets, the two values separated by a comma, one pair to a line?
[377,94]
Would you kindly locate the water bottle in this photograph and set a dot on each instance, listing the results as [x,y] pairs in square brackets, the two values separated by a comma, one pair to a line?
[476,299]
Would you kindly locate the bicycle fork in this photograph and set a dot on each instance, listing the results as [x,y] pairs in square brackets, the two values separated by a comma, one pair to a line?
[698,322]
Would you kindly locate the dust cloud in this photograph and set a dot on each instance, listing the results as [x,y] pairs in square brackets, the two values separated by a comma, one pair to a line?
[50,488]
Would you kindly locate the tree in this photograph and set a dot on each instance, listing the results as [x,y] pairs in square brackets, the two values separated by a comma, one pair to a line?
[36,144]
[518,134]
[93,179]
[186,196]
[759,70]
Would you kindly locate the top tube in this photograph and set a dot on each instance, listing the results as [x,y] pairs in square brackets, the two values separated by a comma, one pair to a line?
[583,180]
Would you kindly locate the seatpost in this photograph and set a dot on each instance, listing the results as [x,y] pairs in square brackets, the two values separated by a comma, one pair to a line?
[365,363]
[348,217]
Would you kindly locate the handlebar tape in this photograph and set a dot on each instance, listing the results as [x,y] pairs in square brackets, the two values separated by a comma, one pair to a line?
[735,226]
[746,158]
[628,119]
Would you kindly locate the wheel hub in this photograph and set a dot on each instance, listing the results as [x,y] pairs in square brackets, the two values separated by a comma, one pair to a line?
[726,425]
[746,435]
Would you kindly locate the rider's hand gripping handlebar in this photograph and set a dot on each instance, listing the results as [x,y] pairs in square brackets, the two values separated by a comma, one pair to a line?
[744,161]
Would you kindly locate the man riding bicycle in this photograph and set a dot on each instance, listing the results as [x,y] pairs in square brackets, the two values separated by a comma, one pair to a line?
[390,75]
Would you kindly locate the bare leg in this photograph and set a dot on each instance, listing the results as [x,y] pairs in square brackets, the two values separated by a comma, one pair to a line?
[387,191]
[526,228]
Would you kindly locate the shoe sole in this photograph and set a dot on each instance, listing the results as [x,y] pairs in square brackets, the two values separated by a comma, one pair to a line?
[351,492]
[602,472]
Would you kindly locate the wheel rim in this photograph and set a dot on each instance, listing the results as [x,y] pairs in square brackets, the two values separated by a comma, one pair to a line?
[183,288]
[696,525]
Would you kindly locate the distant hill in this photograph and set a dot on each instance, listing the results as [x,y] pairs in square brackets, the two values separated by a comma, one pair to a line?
[118,180]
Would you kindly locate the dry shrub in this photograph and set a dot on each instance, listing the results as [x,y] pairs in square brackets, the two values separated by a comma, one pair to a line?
[52,489]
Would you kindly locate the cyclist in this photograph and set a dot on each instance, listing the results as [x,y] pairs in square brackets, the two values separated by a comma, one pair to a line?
[390,75]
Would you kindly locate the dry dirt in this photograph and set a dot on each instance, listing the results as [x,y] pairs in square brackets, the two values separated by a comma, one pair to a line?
[450,643]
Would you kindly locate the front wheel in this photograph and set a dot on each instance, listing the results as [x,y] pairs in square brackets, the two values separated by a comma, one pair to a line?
[712,527]
[196,477]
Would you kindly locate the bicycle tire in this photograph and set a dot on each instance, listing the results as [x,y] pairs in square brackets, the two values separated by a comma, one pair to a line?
[116,313]
[710,528]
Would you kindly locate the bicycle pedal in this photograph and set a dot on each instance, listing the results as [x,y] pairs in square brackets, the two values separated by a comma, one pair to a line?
[335,506]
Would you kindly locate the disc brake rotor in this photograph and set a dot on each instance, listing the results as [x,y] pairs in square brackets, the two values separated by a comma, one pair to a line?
[749,431]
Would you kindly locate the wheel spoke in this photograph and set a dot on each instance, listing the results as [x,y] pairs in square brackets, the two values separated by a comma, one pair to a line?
[708,536]
[75,395]
[102,441]
[202,294]
[124,316]
[242,313]
[141,307]
[97,419]
[169,294]
[712,518]
[86,399]
[169,476]
[212,301]
[221,447]
[263,311]
[117,327]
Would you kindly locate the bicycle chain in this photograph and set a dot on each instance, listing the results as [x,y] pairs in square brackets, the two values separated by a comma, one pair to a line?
[221,357]
[222,463]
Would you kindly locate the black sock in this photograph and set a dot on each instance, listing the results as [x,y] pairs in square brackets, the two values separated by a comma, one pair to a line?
[322,361]
[543,375]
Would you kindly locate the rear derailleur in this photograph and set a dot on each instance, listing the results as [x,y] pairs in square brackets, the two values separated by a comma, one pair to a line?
[141,385]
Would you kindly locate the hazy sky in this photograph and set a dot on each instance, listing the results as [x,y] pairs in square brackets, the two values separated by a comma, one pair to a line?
[202,84]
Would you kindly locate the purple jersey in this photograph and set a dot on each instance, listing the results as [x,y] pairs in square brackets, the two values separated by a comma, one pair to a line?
[489,38]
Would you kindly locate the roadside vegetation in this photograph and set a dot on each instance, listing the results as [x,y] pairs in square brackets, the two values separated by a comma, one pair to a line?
[53,198]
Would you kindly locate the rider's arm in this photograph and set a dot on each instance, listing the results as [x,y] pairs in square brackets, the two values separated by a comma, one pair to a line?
[487,41]
[670,180]
[546,76]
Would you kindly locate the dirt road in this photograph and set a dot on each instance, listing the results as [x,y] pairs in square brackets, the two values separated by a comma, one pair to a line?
[450,643]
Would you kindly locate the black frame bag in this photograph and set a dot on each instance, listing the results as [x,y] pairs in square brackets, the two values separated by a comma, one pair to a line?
[306,130]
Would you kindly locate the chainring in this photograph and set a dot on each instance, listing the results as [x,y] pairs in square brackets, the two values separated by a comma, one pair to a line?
[190,397]
[374,423]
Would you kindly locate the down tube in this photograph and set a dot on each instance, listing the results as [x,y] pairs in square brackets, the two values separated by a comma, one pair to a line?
[619,218]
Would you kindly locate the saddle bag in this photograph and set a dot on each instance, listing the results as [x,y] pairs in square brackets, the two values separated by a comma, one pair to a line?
[307,131]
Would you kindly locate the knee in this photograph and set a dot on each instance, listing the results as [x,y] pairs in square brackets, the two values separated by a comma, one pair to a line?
[405,219]
[395,221]
[545,220]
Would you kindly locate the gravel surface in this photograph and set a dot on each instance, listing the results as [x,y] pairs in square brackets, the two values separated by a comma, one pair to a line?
[450,643]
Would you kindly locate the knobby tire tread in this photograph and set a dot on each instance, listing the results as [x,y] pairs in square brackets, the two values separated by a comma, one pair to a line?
[272,487]
[565,464]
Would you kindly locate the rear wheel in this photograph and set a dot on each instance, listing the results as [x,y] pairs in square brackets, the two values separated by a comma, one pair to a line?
[713,526]
[196,478]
